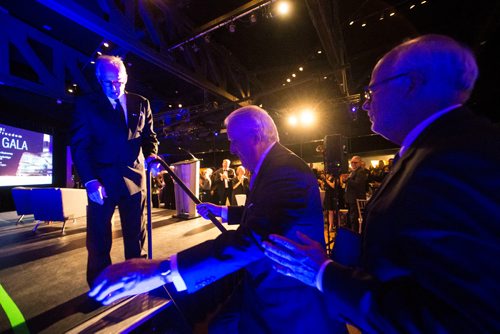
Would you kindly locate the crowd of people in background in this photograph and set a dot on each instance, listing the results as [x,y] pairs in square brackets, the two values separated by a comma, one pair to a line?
[341,191]
[223,186]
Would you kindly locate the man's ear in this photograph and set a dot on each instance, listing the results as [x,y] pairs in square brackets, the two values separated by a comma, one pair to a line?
[416,82]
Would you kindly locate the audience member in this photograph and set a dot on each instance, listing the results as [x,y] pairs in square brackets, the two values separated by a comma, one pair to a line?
[355,189]
[283,199]
[206,185]
[431,245]
[112,133]
[222,182]
[240,184]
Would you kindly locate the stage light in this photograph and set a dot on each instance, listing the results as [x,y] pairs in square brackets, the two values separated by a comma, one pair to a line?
[232,27]
[301,68]
[253,18]
[207,38]
[106,44]
[99,53]
[363,25]
[294,75]
[283,8]
[288,80]
[180,105]
[307,117]
[320,52]
[292,120]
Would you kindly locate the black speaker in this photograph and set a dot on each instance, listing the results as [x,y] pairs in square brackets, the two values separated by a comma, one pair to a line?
[335,154]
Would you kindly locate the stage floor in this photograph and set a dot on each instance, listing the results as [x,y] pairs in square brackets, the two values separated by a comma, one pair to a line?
[43,273]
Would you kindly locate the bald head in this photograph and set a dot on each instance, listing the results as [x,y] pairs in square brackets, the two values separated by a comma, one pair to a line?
[417,79]
[440,59]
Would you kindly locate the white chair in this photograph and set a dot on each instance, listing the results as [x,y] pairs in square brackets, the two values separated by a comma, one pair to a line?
[240,199]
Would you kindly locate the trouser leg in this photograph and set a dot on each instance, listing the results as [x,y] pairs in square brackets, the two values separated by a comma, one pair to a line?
[133,224]
[98,240]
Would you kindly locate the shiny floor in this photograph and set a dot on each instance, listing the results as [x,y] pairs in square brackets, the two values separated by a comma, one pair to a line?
[42,273]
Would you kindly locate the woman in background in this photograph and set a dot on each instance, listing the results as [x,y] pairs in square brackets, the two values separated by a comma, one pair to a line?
[241,184]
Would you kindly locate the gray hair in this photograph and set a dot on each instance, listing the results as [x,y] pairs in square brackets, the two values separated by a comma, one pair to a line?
[106,59]
[442,58]
[255,120]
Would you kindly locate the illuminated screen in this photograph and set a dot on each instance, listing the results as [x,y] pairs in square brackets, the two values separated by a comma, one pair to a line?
[25,157]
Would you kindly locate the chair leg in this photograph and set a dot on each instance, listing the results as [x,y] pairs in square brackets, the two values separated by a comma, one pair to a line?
[19,220]
[64,226]
[36,226]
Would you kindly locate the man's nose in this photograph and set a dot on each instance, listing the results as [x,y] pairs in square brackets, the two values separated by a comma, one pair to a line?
[366,105]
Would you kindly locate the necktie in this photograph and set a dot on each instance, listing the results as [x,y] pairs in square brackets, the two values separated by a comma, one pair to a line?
[119,109]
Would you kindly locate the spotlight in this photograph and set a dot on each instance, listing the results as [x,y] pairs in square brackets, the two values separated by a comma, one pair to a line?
[106,44]
[207,38]
[232,27]
[292,120]
[283,7]
[301,68]
[253,18]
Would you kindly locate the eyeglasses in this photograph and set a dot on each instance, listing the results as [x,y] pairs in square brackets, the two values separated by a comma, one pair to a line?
[109,83]
[371,88]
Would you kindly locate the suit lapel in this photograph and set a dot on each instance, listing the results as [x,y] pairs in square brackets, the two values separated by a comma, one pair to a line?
[133,114]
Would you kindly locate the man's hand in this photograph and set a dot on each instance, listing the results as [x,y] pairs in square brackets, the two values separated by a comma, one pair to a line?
[205,208]
[301,261]
[128,278]
[156,167]
[96,191]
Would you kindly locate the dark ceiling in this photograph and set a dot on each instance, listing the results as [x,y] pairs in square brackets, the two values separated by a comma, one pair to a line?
[182,52]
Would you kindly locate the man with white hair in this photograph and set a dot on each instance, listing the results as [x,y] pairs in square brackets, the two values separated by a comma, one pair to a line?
[112,135]
[283,198]
[429,260]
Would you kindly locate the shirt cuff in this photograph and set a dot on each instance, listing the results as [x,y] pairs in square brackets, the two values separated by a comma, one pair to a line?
[89,182]
[175,276]
[223,214]
[319,275]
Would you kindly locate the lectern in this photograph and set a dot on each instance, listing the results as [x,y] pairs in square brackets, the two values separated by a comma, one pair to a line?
[189,173]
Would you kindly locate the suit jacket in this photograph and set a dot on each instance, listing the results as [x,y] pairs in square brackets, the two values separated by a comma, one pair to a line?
[284,199]
[356,185]
[218,184]
[104,148]
[432,240]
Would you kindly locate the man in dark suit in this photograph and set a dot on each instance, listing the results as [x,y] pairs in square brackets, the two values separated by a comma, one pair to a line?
[431,245]
[284,198]
[222,182]
[112,133]
[355,188]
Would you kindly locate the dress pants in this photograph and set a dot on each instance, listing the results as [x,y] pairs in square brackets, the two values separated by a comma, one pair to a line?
[353,222]
[99,233]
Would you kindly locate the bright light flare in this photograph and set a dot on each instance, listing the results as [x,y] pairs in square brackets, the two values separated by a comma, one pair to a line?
[283,8]
[293,120]
[307,117]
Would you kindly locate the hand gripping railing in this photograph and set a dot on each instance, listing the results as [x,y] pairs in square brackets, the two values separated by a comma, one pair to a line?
[193,197]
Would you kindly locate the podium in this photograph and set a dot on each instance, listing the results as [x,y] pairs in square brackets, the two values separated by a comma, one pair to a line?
[189,173]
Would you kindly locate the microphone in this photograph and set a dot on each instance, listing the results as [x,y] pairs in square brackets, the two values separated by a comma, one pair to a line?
[191,154]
